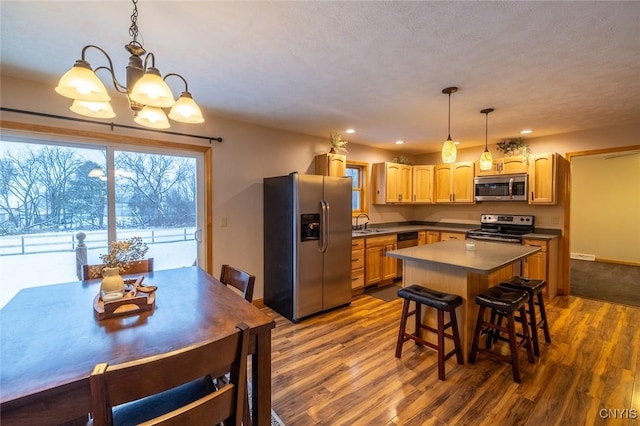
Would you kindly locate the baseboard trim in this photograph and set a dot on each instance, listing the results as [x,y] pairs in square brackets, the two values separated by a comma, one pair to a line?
[259,303]
[618,262]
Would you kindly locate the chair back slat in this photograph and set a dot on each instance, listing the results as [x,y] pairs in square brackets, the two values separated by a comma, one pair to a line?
[113,385]
[89,272]
[239,279]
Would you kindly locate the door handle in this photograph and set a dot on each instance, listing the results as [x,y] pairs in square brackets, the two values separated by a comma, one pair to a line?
[324,225]
[198,235]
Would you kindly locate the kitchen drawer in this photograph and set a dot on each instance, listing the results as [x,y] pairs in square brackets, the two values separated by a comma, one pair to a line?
[381,241]
[357,244]
[357,278]
[543,244]
[357,259]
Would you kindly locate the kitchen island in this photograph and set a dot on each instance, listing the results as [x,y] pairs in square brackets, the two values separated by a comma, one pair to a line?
[450,267]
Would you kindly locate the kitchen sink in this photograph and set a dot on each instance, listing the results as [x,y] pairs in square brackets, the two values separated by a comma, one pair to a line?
[361,232]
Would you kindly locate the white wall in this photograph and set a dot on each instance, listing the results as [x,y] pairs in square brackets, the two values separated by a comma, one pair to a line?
[600,186]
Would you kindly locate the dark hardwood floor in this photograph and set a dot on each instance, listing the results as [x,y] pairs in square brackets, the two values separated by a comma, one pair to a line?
[339,368]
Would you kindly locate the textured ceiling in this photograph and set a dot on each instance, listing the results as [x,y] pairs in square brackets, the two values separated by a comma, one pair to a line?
[380,67]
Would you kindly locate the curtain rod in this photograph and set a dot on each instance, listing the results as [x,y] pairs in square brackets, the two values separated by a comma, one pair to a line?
[112,125]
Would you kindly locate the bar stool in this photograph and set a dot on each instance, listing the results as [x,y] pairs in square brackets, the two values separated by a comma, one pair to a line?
[442,302]
[534,289]
[502,302]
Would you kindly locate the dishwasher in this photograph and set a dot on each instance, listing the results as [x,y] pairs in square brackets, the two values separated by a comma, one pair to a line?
[405,239]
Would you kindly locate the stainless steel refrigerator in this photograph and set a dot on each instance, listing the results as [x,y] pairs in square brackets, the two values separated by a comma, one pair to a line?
[307,244]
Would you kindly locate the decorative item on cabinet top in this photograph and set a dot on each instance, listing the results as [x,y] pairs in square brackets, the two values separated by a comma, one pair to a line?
[337,143]
[514,146]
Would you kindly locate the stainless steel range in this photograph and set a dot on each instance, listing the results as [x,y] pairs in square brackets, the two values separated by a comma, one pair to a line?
[502,228]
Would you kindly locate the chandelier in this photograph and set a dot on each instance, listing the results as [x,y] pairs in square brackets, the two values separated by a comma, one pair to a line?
[146,90]
[449,147]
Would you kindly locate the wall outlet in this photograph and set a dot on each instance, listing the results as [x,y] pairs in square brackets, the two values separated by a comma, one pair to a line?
[223,222]
[555,220]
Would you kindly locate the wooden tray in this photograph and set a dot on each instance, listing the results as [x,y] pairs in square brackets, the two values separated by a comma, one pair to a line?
[132,303]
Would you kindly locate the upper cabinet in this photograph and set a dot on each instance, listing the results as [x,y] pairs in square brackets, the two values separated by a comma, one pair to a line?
[395,183]
[542,179]
[454,182]
[504,166]
[423,184]
[391,183]
[331,165]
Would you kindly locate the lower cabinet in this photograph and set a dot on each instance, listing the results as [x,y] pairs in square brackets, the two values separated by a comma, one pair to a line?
[428,237]
[357,266]
[380,268]
[544,264]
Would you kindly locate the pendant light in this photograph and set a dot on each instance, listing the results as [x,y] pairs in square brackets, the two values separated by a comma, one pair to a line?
[449,148]
[486,160]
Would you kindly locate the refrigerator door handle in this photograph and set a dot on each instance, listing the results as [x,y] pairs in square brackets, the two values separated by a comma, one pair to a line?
[324,225]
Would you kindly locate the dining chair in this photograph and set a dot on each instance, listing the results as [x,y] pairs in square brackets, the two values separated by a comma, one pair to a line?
[135,267]
[175,388]
[239,279]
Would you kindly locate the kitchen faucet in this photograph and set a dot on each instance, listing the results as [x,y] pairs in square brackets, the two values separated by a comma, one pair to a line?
[358,217]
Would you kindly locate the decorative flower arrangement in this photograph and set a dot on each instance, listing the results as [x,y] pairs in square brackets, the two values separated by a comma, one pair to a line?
[121,253]
[514,146]
[402,160]
[337,143]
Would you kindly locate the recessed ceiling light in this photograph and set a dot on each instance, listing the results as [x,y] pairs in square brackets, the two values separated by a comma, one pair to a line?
[350,131]
[399,142]
[526,131]
[456,142]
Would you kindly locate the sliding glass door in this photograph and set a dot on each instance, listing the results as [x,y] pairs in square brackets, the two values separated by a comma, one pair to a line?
[61,203]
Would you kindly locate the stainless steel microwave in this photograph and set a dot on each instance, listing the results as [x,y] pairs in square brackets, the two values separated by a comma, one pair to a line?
[501,188]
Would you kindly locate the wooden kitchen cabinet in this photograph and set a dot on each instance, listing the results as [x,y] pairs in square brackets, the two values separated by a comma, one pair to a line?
[391,183]
[422,187]
[544,264]
[428,237]
[454,182]
[517,164]
[542,179]
[331,165]
[357,266]
[380,268]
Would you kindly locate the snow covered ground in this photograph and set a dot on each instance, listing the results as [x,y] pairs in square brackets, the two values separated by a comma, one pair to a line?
[32,270]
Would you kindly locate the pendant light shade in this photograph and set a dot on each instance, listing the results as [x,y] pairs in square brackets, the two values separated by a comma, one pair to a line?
[151,90]
[186,110]
[153,117]
[486,160]
[81,83]
[449,150]
[93,109]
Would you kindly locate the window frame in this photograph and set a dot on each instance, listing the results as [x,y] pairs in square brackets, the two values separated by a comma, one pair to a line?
[60,135]
[363,189]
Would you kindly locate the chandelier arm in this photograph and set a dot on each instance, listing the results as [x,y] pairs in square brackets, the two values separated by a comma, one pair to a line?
[186,86]
[153,60]
[119,87]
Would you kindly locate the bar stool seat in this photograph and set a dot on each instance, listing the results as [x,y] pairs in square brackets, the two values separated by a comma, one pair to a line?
[534,288]
[503,302]
[442,302]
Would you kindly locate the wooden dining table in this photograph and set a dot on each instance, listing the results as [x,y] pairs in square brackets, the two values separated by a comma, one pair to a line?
[50,341]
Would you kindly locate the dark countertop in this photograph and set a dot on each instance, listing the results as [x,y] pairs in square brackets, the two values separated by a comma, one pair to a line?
[375,230]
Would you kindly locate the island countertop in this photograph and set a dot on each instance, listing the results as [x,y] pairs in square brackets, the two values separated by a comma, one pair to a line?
[487,257]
